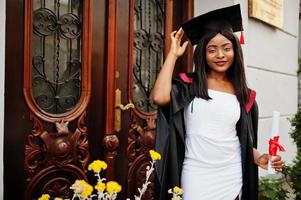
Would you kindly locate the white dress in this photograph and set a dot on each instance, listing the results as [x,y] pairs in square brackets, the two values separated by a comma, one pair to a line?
[212,165]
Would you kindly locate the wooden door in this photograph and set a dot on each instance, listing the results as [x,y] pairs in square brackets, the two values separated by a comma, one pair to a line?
[65,62]
[55,88]
[142,42]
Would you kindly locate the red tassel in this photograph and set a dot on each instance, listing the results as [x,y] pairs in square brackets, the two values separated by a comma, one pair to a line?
[242,38]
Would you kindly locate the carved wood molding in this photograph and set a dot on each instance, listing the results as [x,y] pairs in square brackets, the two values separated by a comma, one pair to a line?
[140,141]
[136,178]
[54,181]
[111,141]
[54,151]
[111,144]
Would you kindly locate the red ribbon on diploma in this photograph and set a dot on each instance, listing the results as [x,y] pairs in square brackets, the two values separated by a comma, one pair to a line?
[274,146]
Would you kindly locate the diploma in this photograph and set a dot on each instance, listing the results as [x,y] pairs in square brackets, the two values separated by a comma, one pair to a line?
[275,124]
[274,141]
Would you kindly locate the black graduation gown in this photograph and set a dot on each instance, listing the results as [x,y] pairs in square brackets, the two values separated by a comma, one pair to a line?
[170,141]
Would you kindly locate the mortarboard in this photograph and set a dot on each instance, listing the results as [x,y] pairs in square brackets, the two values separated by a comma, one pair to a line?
[214,21]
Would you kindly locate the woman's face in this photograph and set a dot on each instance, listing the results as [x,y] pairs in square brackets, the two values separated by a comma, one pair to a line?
[219,53]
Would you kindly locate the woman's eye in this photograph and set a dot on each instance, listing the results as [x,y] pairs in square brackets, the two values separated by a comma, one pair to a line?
[211,51]
[228,48]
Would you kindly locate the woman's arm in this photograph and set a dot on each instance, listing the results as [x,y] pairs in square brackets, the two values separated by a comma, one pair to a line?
[162,88]
[263,160]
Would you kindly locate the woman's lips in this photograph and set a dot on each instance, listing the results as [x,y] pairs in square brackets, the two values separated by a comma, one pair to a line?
[221,63]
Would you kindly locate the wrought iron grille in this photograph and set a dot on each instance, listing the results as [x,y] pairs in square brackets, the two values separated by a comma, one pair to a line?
[56,54]
[148,50]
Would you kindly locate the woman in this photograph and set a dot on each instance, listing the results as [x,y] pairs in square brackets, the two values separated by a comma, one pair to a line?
[207,120]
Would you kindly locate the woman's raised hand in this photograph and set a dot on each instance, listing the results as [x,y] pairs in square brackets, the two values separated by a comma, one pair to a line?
[162,88]
[176,49]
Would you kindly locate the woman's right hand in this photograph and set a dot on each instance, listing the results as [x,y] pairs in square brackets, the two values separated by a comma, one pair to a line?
[162,87]
[176,49]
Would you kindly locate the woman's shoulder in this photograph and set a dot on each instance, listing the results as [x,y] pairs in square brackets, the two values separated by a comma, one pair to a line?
[181,93]
[182,82]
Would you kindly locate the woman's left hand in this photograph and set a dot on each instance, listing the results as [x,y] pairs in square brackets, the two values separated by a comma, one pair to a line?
[277,162]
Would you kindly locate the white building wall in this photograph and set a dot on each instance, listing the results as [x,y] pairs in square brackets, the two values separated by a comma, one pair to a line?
[299,46]
[271,60]
[2,65]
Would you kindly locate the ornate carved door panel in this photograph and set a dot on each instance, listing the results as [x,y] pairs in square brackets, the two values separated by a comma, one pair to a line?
[55,88]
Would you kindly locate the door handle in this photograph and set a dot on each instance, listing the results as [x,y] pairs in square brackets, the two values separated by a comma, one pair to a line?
[118,108]
[126,107]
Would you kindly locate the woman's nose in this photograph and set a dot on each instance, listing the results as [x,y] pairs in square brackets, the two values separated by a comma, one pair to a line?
[220,54]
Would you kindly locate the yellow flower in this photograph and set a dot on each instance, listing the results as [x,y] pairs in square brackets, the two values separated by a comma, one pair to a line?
[100,186]
[82,187]
[97,166]
[155,155]
[113,187]
[87,191]
[44,197]
[178,190]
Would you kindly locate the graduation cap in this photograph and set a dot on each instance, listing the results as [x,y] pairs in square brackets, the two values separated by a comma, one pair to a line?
[214,21]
